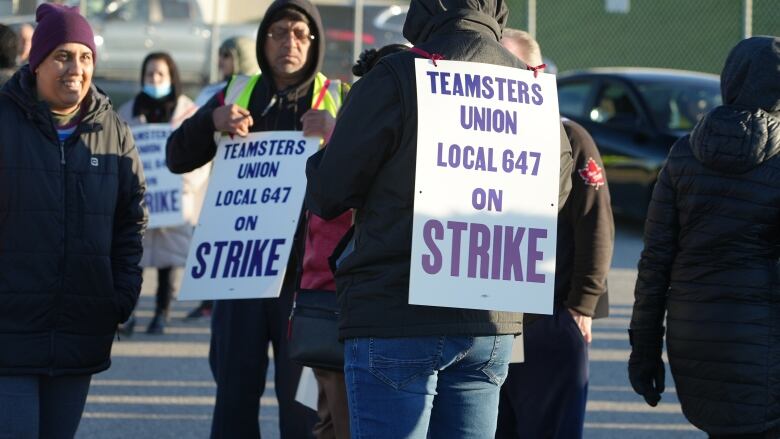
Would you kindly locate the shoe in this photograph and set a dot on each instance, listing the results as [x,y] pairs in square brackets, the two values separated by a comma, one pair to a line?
[203,310]
[127,327]
[157,325]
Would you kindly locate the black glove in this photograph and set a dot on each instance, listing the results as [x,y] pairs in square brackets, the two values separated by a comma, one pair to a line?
[645,366]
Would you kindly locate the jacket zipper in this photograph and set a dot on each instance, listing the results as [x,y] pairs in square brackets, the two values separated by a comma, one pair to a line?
[58,299]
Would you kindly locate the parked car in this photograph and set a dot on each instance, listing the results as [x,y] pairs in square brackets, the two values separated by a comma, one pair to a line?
[382,25]
[635,115]
[126,30]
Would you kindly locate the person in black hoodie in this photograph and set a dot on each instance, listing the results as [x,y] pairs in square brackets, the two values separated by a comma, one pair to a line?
[290,50]
[71,224]
[411,370]
[710,262]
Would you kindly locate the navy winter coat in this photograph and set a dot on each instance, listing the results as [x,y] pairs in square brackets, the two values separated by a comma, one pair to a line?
[71,223]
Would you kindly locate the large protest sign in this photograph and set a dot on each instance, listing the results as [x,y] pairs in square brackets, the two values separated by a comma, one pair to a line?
[163,188]
[244,236]
[486,188]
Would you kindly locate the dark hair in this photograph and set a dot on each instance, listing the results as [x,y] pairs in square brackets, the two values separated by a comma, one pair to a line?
[9,47]
[370,57]
[174,71]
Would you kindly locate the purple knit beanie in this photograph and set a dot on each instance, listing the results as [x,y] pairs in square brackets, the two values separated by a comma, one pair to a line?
[57,25]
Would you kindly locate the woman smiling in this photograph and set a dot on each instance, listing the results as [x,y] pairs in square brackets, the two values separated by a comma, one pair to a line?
[71,223]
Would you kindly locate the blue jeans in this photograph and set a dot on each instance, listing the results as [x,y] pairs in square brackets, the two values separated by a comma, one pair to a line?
[39,406]
[425,387]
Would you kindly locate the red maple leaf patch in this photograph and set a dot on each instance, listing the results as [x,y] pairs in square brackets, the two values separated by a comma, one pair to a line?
[593,174]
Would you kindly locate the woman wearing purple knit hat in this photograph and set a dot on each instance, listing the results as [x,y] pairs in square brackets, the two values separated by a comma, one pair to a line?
[71,223]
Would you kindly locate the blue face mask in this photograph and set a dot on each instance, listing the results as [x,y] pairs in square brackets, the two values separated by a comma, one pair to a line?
[157,91]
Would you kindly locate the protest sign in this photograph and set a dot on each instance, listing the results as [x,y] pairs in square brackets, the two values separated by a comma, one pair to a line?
[486,188]
[244,236]
[163,188]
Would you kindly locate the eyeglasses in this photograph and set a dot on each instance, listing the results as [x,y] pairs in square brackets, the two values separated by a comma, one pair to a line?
[280,34]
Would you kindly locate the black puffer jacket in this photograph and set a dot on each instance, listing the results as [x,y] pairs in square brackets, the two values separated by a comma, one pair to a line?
[71,223]
[369,165]
[712,242]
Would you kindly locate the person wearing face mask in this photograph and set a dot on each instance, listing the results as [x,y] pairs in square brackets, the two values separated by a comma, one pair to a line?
[165,249]
[72,218]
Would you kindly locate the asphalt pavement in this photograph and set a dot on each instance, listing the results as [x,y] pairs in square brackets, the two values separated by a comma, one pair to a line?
[161,386]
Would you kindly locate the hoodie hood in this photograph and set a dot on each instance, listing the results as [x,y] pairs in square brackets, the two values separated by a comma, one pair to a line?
[751,76]
[425,17]
[316,51]
[735,140]
[243,51]
[744,132]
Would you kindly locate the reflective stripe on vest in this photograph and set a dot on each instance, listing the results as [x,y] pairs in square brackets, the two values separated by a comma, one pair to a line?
[240,90]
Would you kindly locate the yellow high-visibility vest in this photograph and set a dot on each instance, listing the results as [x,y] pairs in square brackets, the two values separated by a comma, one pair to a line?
[239,90]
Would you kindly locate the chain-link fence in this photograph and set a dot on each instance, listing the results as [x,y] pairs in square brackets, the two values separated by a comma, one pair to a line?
[679,34]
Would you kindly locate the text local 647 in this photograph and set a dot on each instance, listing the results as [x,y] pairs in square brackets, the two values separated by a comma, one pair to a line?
[253,203]
[486,188]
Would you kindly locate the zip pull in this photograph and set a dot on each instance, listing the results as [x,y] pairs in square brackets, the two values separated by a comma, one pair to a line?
[290,319]
[62,153]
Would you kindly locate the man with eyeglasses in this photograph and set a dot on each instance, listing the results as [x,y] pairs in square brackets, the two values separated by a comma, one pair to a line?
[290,50]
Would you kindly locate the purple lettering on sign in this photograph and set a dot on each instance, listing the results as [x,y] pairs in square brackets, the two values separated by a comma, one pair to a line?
[491,199]
[242,258]
[513,264]
[202,251]
[256,261]
[457,228]
[487,119]
[219,245]
[433,75]
[479,250]
[273,256]
[439,152]
[233,260]
[468,157]
[432,230]
[501,82]
[538,99]
[454,156]
[495,264]
[534,255]
[444,83]
[522,95]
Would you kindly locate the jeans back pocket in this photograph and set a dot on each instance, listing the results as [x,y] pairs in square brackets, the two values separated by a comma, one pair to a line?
[399,362]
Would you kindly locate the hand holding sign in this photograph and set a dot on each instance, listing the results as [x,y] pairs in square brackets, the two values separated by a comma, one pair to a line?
[232,119]
[245,232]
[318,123]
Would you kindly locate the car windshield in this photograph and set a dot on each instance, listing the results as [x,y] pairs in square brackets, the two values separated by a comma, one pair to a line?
[677,106]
